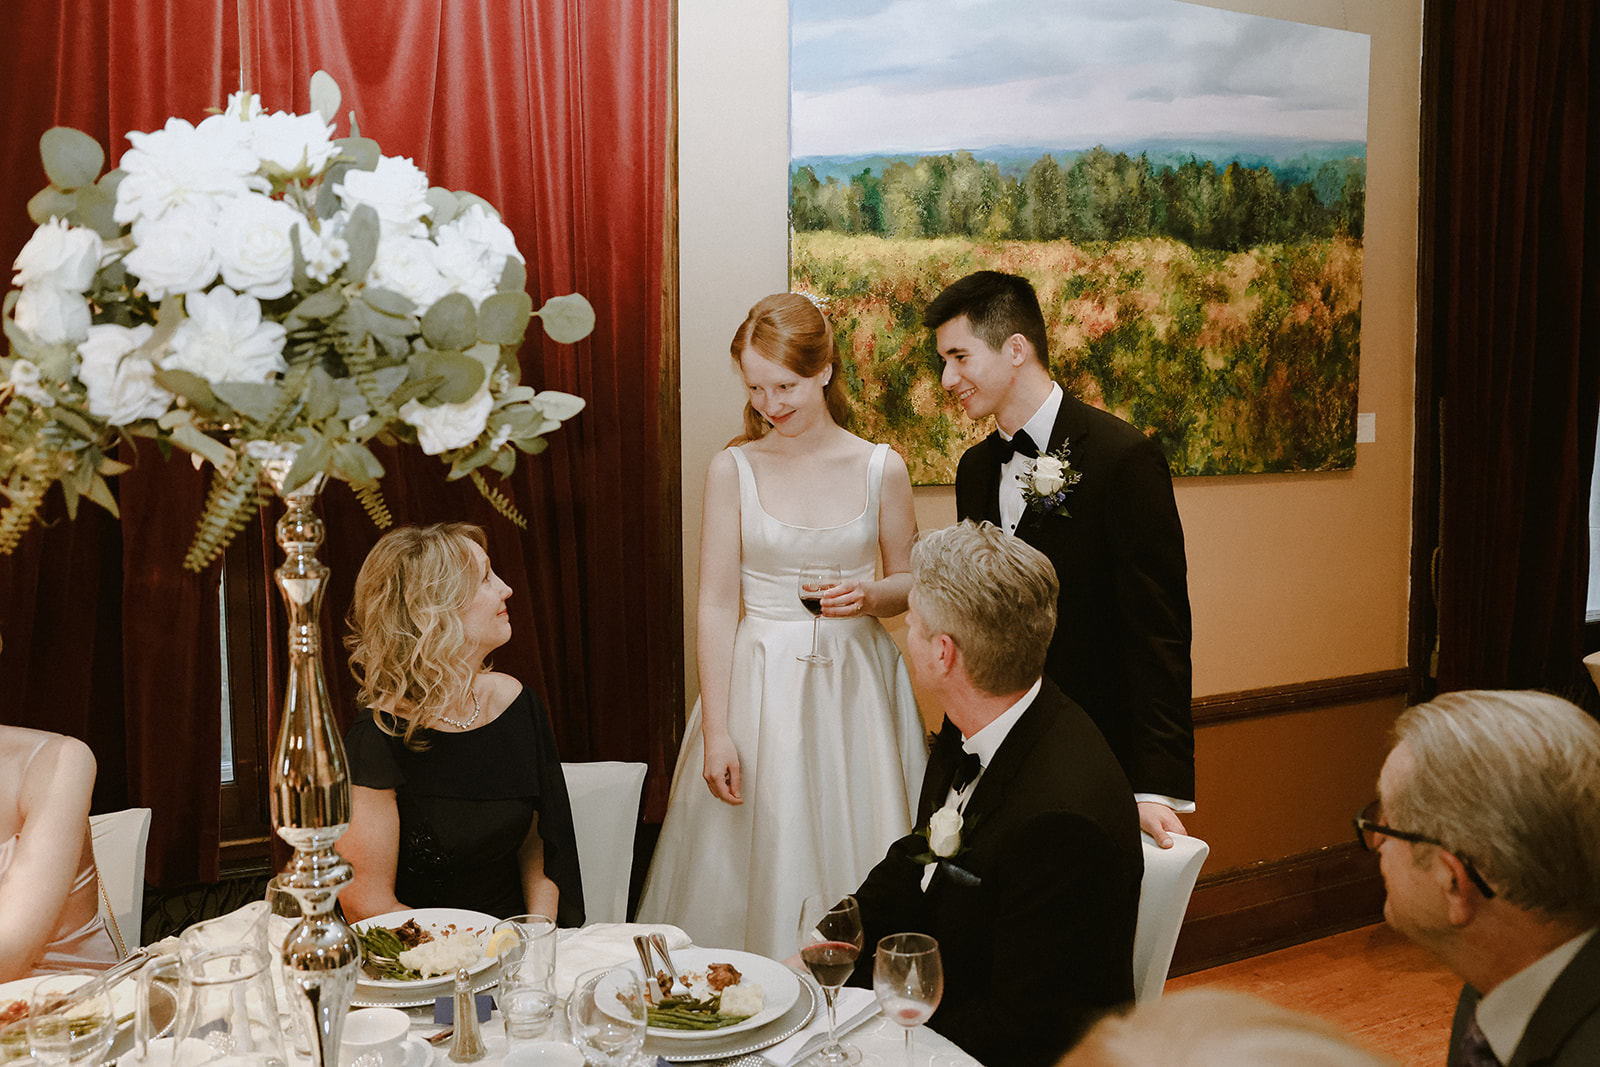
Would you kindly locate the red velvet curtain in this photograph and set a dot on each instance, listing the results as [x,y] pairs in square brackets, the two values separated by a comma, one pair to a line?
[1518,362]
[557,112]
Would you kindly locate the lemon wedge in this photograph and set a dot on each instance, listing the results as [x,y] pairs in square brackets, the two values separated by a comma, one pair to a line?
[499,940]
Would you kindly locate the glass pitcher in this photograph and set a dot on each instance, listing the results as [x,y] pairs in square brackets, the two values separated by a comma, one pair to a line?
[227,1013]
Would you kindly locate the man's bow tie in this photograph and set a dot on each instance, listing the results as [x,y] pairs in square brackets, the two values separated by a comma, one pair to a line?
[967,770]
[1020,442]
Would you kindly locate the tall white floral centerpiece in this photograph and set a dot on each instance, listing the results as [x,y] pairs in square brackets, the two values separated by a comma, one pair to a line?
[271,299]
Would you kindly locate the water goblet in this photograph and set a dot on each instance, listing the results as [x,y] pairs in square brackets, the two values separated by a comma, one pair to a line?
[908,980]
[607,1017]
[525,945]
[830,943]
[70,1020]
[815,580]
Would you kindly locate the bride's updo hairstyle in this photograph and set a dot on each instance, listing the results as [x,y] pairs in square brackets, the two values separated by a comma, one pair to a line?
[790,330]
[406,640]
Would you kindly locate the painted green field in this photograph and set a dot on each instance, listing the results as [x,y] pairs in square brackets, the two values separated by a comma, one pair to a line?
[1235,362]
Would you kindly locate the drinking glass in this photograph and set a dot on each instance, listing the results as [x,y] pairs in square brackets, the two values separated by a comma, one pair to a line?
[830,943]
[815,580]
[526,948]
[607,1017]
[70,1020]
[908,980]
[283,915]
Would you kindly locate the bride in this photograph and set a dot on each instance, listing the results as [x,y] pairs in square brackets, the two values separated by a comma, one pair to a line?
[793,777]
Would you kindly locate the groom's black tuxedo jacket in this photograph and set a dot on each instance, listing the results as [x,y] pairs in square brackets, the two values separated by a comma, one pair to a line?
[1121,646]
[1035,915]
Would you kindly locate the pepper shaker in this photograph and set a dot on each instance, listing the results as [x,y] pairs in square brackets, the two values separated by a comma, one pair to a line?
[467,1045]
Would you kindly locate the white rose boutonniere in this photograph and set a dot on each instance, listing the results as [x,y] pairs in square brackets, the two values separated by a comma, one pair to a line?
[944,832]
[1047,481]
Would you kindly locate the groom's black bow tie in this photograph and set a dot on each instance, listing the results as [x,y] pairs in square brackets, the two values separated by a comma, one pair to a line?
[966,770]
[1020,442]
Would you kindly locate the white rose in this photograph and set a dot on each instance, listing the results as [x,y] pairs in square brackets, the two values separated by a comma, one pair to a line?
[184,165]
[448,426]
[293,142]
[408,266]
[52,315]
[397,190]
[1049,475]
[324,252]
[224,339]
[121,390]
[176,253]
[487,231]
[253,245]
[25,378]
[60,256]
[466,267]
[944,831]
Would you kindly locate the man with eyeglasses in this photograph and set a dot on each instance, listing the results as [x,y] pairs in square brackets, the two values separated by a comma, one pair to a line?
[1487,826]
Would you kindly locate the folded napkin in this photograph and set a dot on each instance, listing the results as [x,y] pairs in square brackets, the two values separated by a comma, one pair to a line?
[852,1007]
[605,945]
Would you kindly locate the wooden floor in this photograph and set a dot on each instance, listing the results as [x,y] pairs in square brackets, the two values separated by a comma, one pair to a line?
[1372,983]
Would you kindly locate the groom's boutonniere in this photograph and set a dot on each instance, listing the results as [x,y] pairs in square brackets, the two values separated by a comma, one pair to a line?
[1047,481]
[943,834]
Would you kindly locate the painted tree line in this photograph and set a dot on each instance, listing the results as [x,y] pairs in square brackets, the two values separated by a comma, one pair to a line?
[1097,196]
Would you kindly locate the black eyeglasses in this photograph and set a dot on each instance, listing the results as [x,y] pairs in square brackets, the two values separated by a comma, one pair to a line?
[1368,831]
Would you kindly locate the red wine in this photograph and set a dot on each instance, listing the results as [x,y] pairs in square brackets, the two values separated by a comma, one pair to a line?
[830,962]
[812,604]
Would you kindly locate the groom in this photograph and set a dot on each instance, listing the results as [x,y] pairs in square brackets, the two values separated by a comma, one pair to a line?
[1027,862]
[1121,644]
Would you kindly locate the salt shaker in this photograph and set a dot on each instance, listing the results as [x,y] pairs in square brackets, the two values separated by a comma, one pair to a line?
[467,1044]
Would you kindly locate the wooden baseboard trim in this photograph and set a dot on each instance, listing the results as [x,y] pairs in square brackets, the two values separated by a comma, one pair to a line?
[1247,911]
[1302,696]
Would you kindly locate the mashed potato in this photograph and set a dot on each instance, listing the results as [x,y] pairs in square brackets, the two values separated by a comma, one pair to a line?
[742,999]
[446,952]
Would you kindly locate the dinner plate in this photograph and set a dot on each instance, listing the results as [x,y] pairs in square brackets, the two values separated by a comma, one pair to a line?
[124,997]
[780,988]
[721,1045]
[388,992]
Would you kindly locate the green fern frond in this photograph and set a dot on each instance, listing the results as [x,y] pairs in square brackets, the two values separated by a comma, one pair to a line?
[26,493]
[499,501]
[362,363]
[229,506]
[372,501]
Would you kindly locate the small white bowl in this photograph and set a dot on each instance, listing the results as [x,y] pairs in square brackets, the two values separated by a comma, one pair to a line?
[380,1032]
[543,1054]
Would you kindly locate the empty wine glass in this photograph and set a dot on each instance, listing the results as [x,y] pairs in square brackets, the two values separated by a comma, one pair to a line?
[70,1019]
[908,980]
[607,1017]
[815,580]
[830,943]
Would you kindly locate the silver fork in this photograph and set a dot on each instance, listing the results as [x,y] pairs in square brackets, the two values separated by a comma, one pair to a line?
[679,988]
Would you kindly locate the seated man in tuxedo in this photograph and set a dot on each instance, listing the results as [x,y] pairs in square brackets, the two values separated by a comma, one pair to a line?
[1487,826]
[1029,874]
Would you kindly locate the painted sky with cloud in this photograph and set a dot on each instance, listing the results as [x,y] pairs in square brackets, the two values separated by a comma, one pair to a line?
[897,76]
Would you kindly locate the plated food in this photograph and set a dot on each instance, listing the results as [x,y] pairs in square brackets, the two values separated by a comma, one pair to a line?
[423,970]
[729,992]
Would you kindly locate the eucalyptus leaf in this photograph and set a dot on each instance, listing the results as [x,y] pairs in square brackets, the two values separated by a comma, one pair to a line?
[363,153]
[310,461]
[415,389]
[389,302]
[95,207]
[567,319]
[322,397]
[504,462]
[451,322]
[361,234]
[299,278]
[72,158]
[514,278]
[443,205]
[78,424]
[463,376]
[325,95]
[320,306]
[558,405]
[469,200]
[356,463]
[190,386]
[254,400]
[50,203]
[503,317]
[488,355]
[189,438]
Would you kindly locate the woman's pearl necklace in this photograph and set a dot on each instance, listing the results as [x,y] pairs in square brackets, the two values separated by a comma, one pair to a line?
[477,709]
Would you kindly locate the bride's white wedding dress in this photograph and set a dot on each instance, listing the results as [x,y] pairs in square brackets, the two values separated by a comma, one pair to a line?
[831,757]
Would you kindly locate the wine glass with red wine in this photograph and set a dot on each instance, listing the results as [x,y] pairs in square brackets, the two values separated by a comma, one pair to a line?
[830,942]
[815,580]
[908,980]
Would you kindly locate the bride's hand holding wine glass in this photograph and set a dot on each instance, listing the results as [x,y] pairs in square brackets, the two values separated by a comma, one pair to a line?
[815,580]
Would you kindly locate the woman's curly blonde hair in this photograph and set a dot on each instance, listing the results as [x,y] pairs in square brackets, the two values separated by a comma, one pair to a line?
[406,640]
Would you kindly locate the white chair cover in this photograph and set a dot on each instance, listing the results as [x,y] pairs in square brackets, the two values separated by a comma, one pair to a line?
[120,838]
[1169,877]
[605,814]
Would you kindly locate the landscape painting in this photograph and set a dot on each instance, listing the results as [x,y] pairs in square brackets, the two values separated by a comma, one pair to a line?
[1184,186]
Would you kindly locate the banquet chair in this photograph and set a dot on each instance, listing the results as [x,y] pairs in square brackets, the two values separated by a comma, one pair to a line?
[120,838]
[1169,876]
[605,814]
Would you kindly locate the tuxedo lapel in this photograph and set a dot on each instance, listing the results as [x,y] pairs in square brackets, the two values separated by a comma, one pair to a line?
[943,759]
[990,792]
[987,486]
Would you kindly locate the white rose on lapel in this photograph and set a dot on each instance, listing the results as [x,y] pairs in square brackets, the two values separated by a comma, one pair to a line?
[1049,475]
[944,832]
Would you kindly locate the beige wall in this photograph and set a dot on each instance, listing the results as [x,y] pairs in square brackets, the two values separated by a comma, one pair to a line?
[1293,578]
